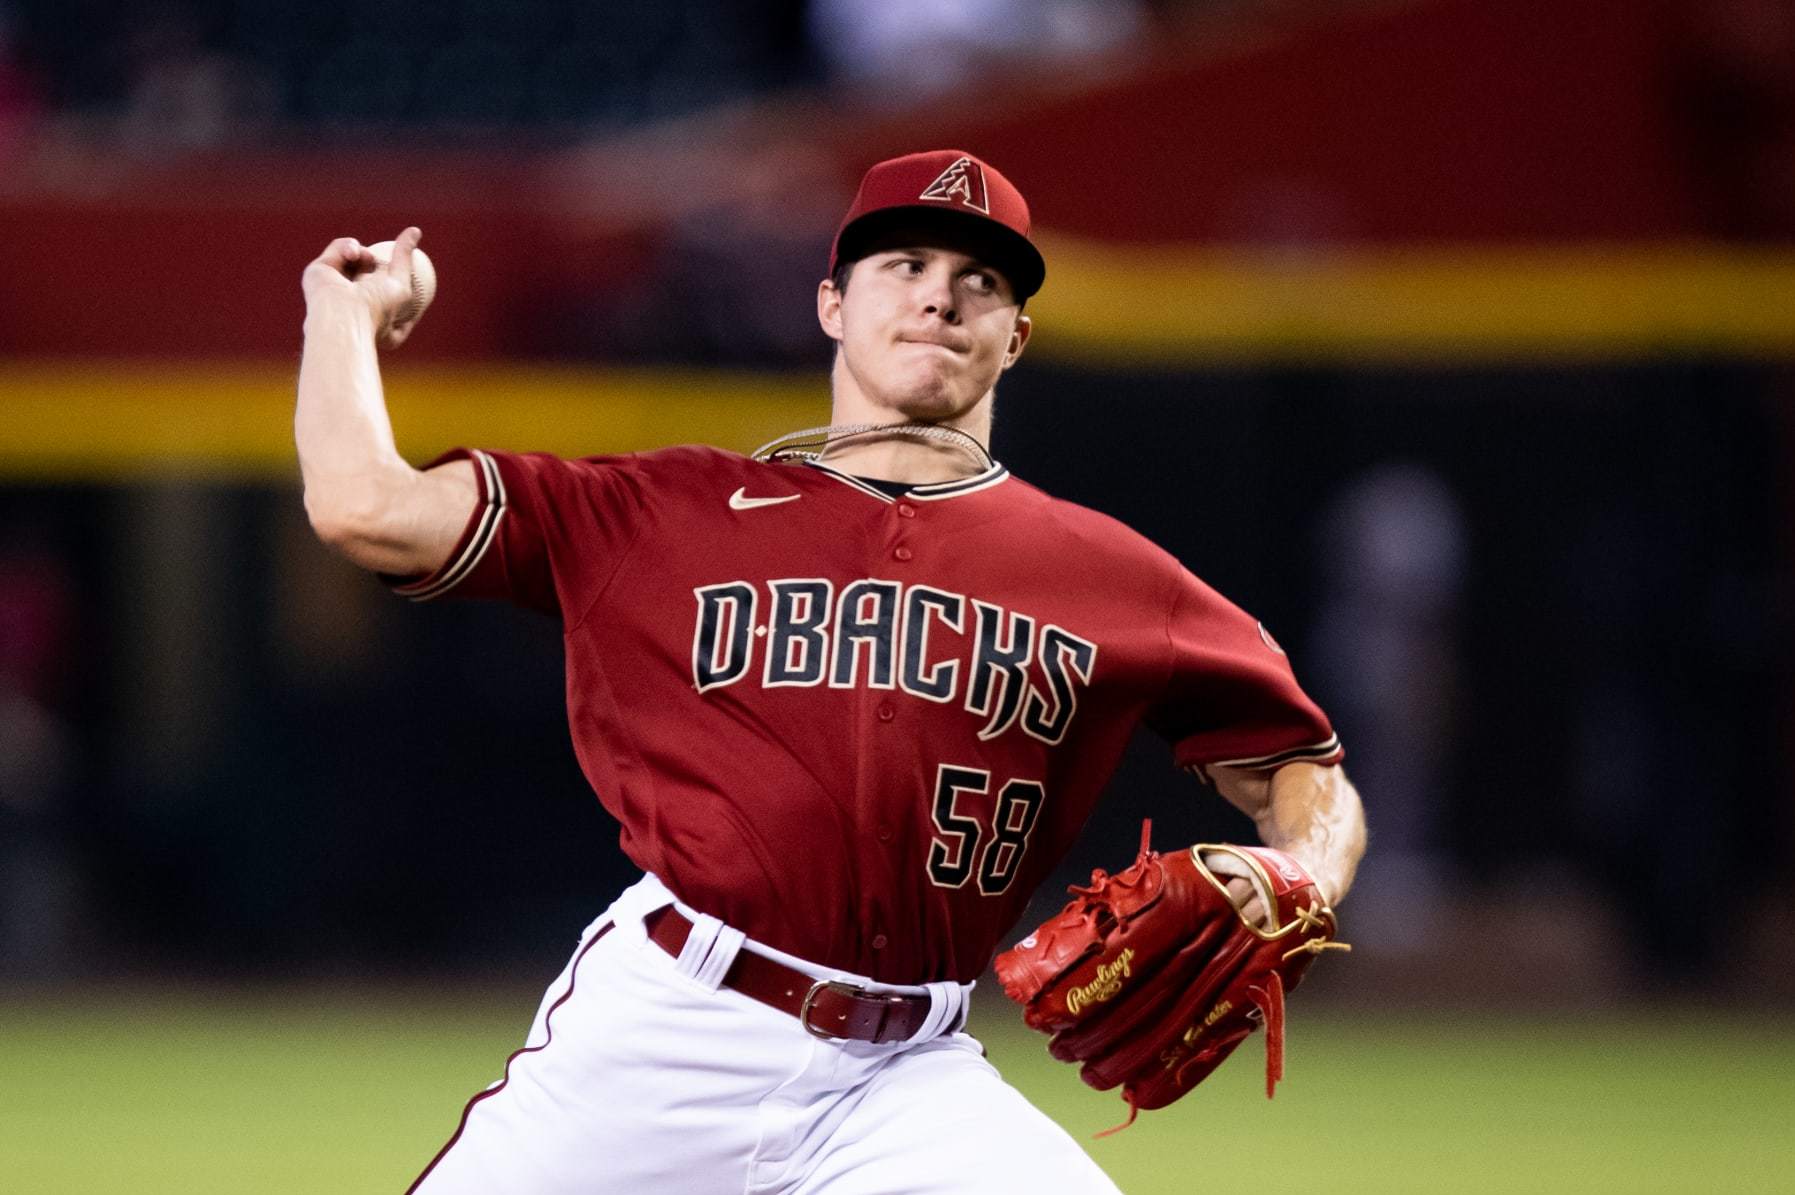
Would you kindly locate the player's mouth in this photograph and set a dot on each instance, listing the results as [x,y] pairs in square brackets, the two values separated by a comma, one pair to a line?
[932,342]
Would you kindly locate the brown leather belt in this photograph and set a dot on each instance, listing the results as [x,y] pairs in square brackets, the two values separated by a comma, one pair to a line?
[825,1007]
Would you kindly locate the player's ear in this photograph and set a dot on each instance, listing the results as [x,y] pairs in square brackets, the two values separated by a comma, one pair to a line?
[828,308]
[1018,340]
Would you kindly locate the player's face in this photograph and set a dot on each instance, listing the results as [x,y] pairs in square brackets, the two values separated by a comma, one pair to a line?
[925,329]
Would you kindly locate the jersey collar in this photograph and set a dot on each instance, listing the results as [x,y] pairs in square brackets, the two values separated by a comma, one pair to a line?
[933,492]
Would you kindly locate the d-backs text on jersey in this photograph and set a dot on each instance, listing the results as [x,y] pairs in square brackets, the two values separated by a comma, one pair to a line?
[877,633]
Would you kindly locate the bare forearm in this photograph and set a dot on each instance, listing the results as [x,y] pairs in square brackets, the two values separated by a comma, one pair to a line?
[345,438]
[1314,813]
[363,499]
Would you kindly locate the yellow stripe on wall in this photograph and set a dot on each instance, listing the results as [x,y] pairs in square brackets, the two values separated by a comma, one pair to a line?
[1103,307]
[1190,306]
[122,420]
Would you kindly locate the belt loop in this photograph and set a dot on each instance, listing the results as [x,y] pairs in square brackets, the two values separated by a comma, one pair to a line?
[947,1006]
[709,949]
[723,951]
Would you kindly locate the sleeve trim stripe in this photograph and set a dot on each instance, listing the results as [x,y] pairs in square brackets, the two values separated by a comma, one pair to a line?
[1315,751]
[485,532]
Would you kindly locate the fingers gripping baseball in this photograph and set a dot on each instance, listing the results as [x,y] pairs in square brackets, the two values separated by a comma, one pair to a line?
[392,281]
[333,270]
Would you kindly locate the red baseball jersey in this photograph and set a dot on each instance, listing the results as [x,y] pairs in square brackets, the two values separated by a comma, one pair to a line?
[862,728]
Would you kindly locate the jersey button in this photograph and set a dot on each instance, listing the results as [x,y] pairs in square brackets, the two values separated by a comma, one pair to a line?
[886,713]
[903,553]
[906,511]
[884,833]
[878,941]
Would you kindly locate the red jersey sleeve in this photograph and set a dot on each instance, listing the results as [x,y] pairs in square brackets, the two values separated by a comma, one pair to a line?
[1231,697]
[546,532]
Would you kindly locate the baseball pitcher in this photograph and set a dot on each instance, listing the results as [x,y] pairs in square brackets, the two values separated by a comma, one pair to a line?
[849,702]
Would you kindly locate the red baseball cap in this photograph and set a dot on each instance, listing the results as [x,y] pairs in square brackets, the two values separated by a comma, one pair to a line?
[955,188]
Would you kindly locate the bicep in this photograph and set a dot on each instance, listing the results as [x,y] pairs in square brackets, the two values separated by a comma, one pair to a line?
[442,500]
[408,522]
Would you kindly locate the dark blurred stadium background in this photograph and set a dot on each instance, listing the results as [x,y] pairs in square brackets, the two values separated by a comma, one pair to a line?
[1455,338]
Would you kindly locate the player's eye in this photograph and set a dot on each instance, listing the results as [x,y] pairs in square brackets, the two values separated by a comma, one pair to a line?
[982,281]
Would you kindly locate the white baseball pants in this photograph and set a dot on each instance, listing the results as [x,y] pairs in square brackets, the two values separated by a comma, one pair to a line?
[641,1075]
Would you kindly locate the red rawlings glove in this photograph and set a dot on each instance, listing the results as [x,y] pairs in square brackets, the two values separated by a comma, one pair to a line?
[1151,977]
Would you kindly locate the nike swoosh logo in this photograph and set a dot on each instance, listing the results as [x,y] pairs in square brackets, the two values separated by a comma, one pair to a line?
[740,501]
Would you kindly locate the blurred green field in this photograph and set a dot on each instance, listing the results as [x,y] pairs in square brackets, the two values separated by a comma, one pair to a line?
[340,1091]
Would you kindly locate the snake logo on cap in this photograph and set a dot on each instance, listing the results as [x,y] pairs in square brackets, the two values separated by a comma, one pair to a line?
[964,182]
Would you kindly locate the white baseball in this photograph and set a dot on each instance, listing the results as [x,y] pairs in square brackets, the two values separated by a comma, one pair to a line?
[423,282]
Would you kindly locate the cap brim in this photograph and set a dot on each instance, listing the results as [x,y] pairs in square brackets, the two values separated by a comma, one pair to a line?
[998,245]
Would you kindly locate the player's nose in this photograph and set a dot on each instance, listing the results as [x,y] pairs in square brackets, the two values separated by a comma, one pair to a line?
[938,298]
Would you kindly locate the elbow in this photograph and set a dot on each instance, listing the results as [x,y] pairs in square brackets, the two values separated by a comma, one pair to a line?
[328,520]
[348,519]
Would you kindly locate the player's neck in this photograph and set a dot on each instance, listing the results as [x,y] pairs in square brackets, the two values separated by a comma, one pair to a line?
[902,457]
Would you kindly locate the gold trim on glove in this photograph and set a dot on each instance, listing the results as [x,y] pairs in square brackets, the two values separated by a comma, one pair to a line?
[1310,918]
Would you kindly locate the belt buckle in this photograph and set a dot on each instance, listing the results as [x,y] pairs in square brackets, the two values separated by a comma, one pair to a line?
[846,989]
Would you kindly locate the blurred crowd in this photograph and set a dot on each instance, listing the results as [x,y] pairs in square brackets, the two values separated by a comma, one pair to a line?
[209,73]
[205,73]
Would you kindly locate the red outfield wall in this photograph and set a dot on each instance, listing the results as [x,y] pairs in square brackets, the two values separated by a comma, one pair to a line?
[1453,122]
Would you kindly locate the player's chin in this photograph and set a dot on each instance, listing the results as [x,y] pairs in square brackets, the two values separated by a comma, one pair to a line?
[933,407]
[936,397]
